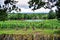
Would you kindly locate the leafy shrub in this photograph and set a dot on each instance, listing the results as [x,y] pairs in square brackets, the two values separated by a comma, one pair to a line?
[3,15]
[58,14]
[51,15]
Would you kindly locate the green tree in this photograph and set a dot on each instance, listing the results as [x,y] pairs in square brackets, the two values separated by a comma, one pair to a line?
[51,15]
[3,12]
[36,4]
[3,15]
[58,11]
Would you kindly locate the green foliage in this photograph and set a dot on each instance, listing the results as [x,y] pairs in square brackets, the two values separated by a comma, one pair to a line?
[19,16]
[3,15]
[58,14]
[58,11]
[39,3]
[7,1]
[51,15]
[33,3]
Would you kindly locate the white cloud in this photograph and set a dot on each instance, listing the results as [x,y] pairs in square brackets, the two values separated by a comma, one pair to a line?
[23,4]
[13,11]
[42,10]
[54,8]
[26,10]
[2,2]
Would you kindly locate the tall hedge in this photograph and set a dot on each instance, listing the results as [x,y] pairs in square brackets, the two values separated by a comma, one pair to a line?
[3,15]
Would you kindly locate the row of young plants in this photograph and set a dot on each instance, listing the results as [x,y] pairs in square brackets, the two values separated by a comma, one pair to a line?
[47,24]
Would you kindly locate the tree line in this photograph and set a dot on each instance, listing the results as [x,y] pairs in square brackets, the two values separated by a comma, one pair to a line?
[36,4]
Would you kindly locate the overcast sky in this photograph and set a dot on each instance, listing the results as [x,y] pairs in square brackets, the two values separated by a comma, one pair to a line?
[23,4]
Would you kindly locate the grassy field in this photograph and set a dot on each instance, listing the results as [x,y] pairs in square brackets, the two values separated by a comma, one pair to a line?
[26,27]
